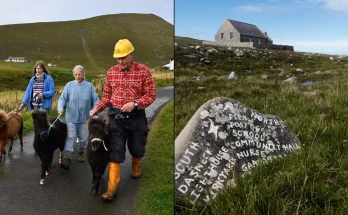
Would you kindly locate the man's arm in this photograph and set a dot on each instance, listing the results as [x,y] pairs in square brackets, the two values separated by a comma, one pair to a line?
[104,102]
[150,91]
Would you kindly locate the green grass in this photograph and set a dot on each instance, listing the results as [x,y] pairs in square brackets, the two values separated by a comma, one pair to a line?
[164,83]
[313,181]
[156,192]
[61,42]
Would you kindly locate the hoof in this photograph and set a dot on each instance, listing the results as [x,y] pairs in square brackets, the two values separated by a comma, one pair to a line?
[95,192]
[47,173]
[42,181]
[107,198]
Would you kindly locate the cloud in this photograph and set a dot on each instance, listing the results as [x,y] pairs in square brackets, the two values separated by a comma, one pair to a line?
[256,8]
[298,2]
[250,8]
[336,5]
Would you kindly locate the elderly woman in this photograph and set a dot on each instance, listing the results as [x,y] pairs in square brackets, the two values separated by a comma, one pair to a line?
[78,98]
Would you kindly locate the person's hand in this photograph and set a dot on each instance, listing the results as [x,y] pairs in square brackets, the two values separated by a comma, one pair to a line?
[21,107]
[93,112]
[60,112]
[128,107]
[40,95]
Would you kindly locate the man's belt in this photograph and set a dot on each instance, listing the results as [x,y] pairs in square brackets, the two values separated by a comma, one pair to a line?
[118,114]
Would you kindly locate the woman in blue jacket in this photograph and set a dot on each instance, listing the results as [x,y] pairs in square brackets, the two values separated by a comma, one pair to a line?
[41,85]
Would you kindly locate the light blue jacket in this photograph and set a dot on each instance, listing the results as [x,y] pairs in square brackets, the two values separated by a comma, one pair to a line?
[78,99]
[48,92]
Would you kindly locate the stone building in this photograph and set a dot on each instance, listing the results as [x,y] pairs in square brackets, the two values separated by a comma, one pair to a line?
[239,34]
[234,31]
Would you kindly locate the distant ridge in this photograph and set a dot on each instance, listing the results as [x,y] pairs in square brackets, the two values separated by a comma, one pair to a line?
[90,41]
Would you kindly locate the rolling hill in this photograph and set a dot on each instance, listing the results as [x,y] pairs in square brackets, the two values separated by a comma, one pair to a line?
[89,42]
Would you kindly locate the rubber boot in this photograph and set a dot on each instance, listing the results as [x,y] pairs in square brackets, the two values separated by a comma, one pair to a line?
[67,157]
[80,156]
[136,167]
[113,181]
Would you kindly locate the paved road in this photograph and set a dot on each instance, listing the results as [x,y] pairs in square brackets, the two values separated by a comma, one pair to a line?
[65,192]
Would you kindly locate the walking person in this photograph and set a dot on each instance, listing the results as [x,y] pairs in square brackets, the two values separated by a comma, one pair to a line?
[77,98]
[40,90]
[129,88]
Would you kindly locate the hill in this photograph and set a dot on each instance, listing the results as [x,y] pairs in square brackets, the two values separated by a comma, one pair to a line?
[308,91]
[90,42]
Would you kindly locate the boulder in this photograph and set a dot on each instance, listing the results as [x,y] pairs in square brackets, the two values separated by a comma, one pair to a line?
[239,53]
[299,71]
[205,60]
[248,72]
[233,76]
[212,51]
[223,137]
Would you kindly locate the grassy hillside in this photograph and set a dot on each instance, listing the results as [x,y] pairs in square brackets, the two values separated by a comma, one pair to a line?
[314,181]
[61,42]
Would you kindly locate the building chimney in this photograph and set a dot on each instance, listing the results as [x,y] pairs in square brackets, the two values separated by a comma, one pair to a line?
[266,34]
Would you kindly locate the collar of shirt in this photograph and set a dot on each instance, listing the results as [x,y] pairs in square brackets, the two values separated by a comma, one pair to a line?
[128,69]
[80,82]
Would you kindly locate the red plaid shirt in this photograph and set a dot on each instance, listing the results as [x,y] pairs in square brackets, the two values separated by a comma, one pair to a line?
[133,84]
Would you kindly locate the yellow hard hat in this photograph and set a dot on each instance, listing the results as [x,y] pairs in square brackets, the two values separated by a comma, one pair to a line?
[123,48]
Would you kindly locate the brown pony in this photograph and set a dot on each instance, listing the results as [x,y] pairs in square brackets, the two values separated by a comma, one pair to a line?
[9,130]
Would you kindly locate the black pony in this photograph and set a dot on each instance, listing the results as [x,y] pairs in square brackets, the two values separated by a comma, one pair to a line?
[97,153]
[47,139]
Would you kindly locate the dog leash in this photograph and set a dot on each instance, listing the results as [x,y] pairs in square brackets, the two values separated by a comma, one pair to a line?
[19,110]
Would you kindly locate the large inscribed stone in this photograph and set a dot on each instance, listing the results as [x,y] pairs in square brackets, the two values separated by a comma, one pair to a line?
[224,137]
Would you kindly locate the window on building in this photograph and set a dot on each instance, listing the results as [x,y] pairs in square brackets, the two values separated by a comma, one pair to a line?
[231,35]
[222,35]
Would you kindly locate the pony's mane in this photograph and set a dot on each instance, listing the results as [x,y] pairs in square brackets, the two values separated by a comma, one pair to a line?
[101,120]
[38,112]
[3,115]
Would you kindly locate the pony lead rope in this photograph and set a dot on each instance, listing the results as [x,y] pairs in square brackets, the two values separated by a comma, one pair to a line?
[49,129]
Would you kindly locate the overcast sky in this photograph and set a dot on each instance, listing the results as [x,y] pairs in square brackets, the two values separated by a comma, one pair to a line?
[308,25]
[30,11]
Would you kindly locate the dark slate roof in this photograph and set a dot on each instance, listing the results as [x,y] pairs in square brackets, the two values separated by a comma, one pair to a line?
[247,29]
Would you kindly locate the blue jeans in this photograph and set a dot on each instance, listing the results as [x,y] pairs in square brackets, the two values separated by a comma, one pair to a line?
[79,131]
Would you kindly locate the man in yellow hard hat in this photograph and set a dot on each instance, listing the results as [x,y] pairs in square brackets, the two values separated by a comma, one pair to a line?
[129,88]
